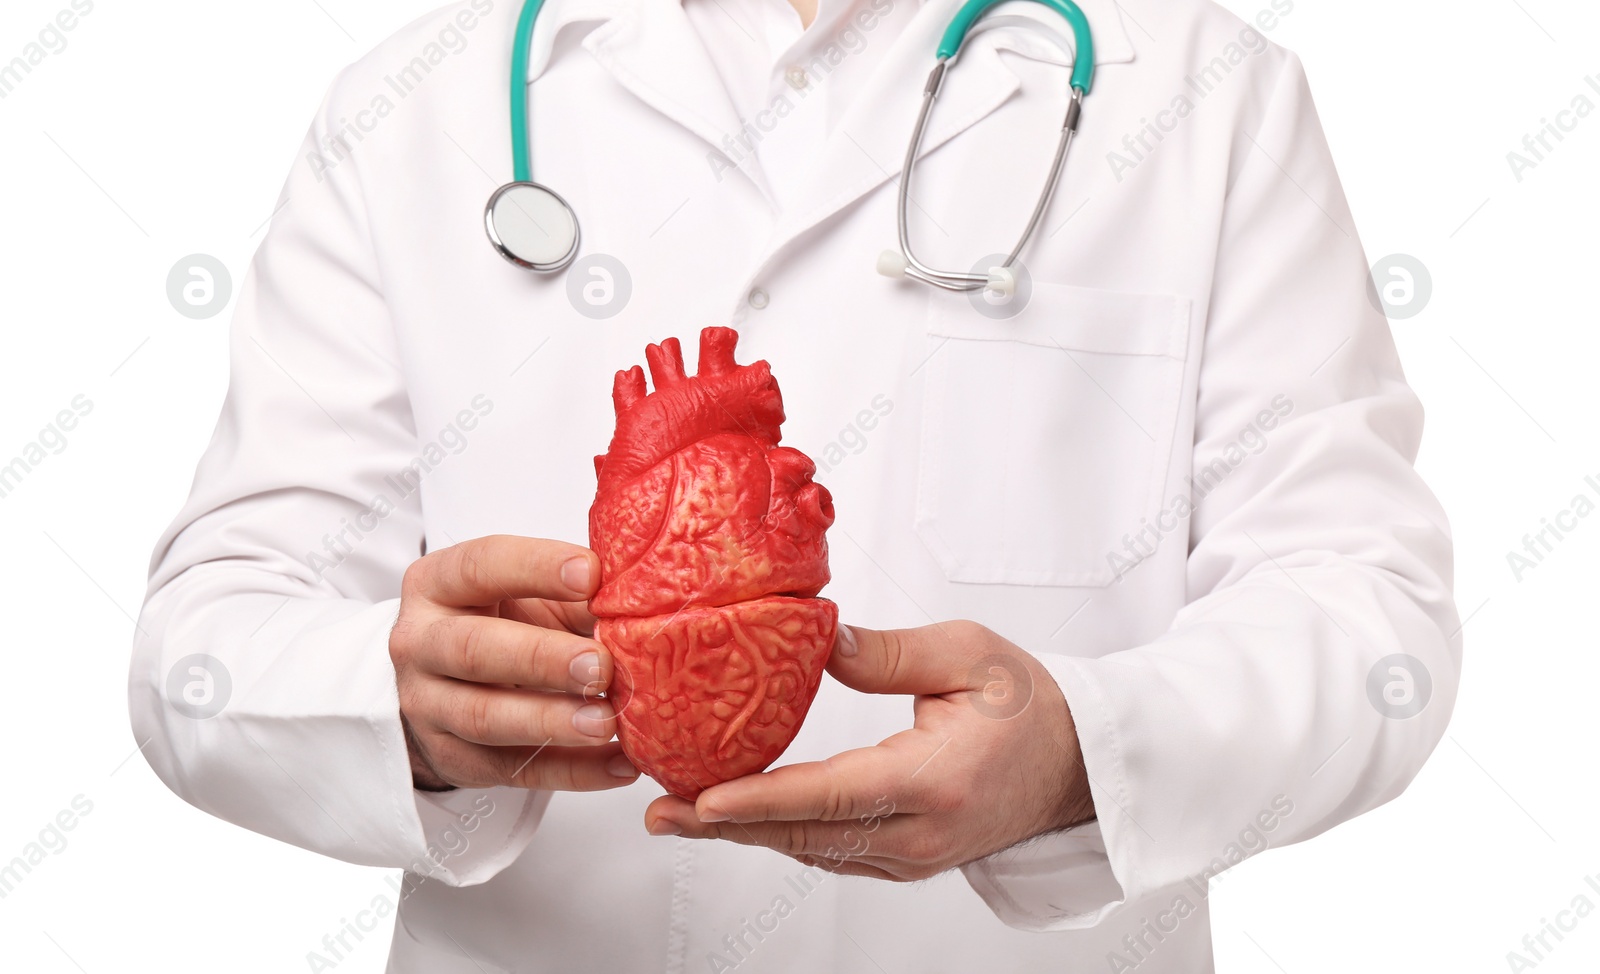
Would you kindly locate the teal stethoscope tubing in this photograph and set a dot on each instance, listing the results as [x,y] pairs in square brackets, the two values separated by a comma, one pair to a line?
[1083,39]
[521,164]
[949,44]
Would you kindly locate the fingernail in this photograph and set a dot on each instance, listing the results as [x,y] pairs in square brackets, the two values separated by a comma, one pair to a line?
[585,669]
[591,719]
[847,641]
[665,826]
[714,815]
[575,574]
[620,767]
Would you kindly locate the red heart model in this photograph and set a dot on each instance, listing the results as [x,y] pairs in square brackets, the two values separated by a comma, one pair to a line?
[712,551]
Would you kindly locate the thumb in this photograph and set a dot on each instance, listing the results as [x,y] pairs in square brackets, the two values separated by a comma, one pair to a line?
[940,658]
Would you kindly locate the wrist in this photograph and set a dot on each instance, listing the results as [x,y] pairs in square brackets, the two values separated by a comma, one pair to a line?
[1078,805]
[423,777]
[1075,804]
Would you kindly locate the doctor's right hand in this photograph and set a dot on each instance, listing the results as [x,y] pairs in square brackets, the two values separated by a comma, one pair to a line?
[497,672]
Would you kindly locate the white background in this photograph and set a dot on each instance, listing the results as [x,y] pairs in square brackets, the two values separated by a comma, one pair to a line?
[165,129]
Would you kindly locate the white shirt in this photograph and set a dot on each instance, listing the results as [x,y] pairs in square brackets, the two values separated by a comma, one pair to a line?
[790,83]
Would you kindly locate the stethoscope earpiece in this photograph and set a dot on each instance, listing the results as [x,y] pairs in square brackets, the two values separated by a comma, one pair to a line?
[1001,279]
[892,263]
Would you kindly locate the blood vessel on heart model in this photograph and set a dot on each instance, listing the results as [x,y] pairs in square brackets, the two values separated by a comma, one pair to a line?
[712,552]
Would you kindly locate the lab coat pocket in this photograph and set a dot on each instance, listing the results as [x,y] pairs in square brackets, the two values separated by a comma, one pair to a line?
[1046,436]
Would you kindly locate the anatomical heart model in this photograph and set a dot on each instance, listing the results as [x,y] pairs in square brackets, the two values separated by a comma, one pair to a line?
[710,537]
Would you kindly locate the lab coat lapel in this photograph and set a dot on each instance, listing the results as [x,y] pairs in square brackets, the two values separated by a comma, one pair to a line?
[650,48]
[868,146]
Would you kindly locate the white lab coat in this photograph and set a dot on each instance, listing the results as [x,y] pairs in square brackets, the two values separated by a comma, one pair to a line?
[1199,334]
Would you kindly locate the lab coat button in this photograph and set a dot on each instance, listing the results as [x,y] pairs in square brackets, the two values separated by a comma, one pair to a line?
[758,298]
[797,78]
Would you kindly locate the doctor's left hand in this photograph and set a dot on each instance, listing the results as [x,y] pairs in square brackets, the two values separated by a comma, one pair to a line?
[992,759]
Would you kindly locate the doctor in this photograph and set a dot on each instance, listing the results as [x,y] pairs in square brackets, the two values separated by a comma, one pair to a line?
[1142,579]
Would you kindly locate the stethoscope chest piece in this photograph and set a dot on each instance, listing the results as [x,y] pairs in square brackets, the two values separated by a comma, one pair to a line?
[531,226]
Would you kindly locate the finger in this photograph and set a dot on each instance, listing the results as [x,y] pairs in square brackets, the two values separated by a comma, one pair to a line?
[848,867]
[484,649]
[500,717]
[550,768]
[941,658]
[569,616]
[487,571]
[662,816]
[834,841]
[869,782]
[903,849]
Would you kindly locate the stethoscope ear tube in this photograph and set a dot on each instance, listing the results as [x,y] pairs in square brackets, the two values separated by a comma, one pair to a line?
[1074,109]
[915,269]
[1000,278]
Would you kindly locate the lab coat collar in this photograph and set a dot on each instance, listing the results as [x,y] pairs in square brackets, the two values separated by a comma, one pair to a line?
[1112,42]
[651,49]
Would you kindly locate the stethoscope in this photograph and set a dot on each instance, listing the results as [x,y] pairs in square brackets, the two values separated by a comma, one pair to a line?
[531,226]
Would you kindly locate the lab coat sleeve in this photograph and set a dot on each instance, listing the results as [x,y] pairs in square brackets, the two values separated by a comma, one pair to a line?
[261,689]
[1258,718]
